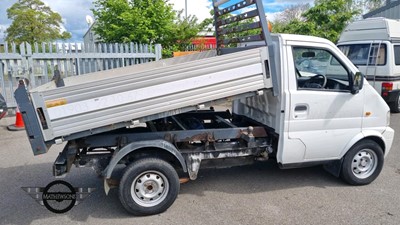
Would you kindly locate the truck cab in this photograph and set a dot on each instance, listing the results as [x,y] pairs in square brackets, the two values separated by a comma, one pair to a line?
[323,110]
[373,45]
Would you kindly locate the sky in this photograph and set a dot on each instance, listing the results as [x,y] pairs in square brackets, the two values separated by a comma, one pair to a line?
[74,12]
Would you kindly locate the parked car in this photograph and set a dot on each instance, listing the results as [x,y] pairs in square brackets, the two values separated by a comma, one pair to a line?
[3,107]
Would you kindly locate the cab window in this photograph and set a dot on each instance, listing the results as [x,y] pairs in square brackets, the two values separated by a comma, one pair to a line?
[319,69]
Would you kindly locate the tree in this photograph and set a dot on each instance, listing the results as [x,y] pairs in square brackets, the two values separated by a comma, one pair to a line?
[374,4]
[291,13]
[33,21]
[365,5]
[185,29]
[326,19]
[144,21]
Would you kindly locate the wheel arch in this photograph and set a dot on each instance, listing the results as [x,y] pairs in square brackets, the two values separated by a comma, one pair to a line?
[365,135]
[377,140]
[157,146]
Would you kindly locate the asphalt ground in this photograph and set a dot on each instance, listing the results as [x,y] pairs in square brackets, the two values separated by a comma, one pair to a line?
[256,194]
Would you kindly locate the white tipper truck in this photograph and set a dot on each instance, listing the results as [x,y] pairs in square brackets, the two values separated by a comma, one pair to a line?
[373,45]
[158,120]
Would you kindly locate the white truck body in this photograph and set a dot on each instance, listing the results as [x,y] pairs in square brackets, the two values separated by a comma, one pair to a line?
[298,100]
[304,118]
[102,98]
[373,45]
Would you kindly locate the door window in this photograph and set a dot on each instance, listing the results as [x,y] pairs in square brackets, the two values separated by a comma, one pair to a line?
[319,69]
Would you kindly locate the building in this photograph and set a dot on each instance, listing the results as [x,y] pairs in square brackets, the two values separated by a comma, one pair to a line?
[391,10]
[90,36]
[205,40]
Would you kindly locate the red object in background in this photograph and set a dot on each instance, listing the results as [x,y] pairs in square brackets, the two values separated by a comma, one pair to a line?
[386,87]
[205,42]
[19,122]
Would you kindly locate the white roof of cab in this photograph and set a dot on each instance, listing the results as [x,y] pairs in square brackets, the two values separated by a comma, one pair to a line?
[291,37]
[377,28]
[297,37]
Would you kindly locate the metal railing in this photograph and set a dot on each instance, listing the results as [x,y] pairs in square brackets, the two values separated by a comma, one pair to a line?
[38,62]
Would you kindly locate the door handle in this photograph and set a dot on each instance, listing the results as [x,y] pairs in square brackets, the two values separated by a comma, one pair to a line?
[300,108]
[301,111]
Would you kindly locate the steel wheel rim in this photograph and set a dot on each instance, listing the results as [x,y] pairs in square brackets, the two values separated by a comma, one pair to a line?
[149,188]
[364,163]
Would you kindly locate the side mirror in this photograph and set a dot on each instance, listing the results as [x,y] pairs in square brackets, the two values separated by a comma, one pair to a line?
[358,82]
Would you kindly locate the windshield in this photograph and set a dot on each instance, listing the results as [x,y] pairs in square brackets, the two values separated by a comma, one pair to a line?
[365,54]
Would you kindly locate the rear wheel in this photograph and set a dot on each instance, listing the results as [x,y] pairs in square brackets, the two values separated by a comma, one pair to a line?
[362,163]
[148,186]
[395,106]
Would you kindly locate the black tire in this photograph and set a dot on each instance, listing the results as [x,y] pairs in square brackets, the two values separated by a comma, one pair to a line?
[362,163]
[395,106]
[155,184]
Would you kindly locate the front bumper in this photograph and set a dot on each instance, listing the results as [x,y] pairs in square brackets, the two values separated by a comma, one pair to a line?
[388,136]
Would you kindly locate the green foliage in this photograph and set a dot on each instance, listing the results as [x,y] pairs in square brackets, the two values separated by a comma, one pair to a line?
[143,21]
[209,22]
[326,19]
[33,21]
[184,31]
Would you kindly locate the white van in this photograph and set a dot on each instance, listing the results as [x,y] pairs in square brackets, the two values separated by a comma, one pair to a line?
[373,45]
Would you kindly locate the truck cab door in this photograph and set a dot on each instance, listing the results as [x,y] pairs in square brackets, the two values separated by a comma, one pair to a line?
[323,115]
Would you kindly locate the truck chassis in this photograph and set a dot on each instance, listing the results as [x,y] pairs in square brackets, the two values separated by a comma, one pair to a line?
[194,137]
[183,141]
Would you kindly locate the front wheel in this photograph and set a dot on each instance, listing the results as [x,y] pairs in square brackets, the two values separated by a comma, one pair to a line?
[149,186]
[362,163]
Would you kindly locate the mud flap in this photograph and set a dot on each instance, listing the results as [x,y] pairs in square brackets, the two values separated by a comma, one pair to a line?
[334,167]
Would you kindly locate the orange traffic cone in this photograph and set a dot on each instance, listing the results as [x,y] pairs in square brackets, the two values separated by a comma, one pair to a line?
[19,123]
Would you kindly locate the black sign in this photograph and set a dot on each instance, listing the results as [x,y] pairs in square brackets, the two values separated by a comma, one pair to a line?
[58,196]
